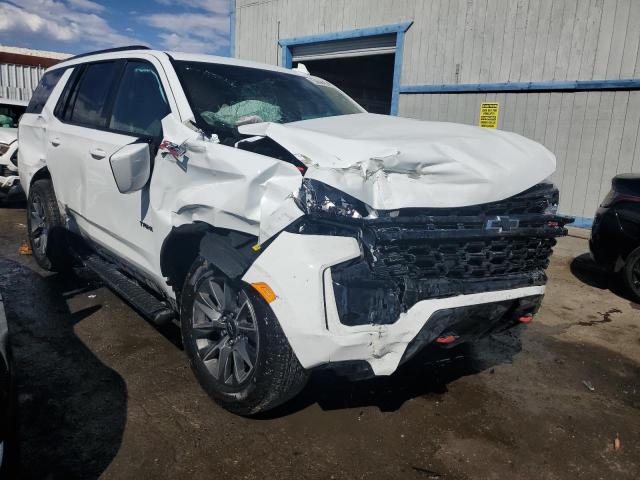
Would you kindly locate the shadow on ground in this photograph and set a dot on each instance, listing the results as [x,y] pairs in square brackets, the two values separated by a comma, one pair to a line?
[71,407]
[14,204]
[585,269]
[428,373]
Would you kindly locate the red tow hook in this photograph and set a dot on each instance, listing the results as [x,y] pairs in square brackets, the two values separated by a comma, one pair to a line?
[446,339]
[526,319]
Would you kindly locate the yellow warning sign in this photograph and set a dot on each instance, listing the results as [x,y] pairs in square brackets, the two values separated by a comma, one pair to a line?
[489,114]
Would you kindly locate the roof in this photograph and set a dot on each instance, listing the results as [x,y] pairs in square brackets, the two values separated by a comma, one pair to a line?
[34,53]
[197,57]
[27,56]
[192,57]
[12,101]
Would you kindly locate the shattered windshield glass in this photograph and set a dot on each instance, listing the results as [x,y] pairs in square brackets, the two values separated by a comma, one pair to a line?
[223,97]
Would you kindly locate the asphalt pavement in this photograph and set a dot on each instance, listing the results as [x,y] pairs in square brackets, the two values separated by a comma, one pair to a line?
[103,394]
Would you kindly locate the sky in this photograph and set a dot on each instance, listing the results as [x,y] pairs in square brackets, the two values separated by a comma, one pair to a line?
[76,26]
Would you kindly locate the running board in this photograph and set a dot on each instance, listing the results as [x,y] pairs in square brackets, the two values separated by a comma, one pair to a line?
[147,304]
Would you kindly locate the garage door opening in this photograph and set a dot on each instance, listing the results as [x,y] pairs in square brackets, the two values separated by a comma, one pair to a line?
[363,66]
[368,79]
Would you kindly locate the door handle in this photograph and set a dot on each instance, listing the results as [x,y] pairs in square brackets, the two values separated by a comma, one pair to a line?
[55,141]
[98,153]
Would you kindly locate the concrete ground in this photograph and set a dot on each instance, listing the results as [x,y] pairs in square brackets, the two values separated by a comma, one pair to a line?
[104,394]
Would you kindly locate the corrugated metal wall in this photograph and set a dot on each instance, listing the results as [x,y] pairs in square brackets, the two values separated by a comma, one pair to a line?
[594,134]
[19,81]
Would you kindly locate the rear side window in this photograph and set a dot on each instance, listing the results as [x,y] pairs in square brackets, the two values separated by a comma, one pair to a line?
[40,96]
[140,103]
[90,99]
[10,115]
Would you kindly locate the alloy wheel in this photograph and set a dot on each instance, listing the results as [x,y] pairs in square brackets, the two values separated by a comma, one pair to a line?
[39,227]
[635,276]
[225,331]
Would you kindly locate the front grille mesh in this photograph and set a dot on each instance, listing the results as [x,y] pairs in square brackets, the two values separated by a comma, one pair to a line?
[456,243]
[419,254]
[462,259]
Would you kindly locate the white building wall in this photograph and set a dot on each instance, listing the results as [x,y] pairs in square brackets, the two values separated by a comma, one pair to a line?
[18,82]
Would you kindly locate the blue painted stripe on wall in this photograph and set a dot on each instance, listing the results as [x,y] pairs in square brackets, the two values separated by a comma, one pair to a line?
[286,57]
[558,86]
[582,222]
[360,32]
[397,72]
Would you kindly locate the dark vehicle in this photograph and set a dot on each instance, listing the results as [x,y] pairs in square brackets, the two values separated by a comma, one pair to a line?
[615,236]
[5,393]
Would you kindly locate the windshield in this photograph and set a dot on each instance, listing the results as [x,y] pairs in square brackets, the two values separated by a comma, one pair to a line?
[224,97]
[9,115]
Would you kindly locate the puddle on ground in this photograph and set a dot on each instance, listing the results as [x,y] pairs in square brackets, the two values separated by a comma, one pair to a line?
[606,318]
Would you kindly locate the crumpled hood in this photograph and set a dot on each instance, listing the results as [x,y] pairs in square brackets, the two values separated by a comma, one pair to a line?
[8,135]
[391,162]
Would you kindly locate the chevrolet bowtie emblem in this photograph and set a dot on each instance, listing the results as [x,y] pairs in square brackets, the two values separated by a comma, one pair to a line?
[501,224]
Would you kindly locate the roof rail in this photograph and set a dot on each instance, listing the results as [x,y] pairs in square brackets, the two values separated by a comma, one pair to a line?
[109,50]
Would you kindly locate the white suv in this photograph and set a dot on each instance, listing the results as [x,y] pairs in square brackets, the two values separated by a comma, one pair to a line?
[283,226]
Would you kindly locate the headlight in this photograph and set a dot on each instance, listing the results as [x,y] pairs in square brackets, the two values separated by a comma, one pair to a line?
[3,148]
[552,209]
[552,201]
[14,158]
[319,198]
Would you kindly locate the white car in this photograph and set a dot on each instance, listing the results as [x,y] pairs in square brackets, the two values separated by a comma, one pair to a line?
[283,226]
[10,113]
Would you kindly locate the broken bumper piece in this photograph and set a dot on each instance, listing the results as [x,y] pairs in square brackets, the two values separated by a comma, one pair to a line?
[10,188]
[298,269]
[357,284]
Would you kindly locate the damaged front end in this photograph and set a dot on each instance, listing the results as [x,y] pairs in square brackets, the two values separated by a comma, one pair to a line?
[377,234]
[409,255]
[358,283]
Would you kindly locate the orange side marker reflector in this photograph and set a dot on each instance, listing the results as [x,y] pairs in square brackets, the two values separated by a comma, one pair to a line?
[526,319]
[265,291]
[444,340]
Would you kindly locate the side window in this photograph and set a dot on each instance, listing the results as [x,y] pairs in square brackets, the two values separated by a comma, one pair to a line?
[41,94]
[91,95]
[140,103]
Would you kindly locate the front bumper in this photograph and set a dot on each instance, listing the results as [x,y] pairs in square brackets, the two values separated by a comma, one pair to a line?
[10,188]
[298,269]
[9,179]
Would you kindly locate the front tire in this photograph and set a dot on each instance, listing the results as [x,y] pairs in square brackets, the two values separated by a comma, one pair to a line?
[631,274]
[236,347]
[47,234]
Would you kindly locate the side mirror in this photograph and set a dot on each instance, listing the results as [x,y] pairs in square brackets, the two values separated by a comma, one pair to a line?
[131,167]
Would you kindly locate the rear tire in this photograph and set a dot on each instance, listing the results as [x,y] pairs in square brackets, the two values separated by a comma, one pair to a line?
[631,274]
[47,233]
[236,347]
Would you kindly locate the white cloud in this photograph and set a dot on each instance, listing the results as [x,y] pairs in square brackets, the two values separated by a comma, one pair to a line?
[220,7]
[73,21]
[205,26]
[16,19]
[184,43]
[86,5]
[192,32]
